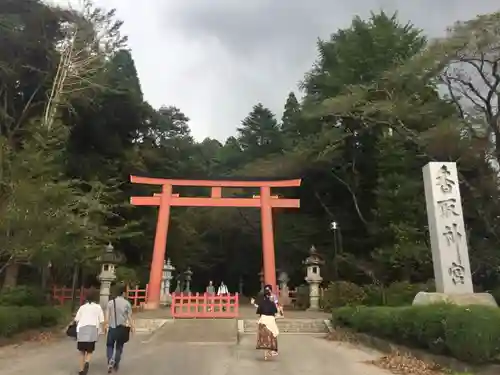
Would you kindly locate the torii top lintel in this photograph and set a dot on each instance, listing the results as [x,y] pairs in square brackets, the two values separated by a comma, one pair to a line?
[216,199]
[214,183]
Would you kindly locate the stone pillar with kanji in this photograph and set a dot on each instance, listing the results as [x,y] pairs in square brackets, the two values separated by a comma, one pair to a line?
[450,253]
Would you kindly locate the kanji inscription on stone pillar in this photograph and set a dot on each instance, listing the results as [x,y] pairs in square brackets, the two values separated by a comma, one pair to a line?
[450,254]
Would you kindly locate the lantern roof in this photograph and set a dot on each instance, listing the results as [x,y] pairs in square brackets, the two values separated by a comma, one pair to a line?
[110,256]
[314,257]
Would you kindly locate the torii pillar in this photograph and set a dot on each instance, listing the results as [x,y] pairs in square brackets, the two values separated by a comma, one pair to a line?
[268,255]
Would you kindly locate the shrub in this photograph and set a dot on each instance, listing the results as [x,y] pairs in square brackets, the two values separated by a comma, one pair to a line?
[470,334]
[51,316]
[9,321]
[342,293]
[473,333]
[399,293]
[374,295]
[22,296]
[28,317]
[15,319]
[402,293]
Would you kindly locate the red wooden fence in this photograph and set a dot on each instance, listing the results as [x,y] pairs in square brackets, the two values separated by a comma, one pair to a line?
[61,295]
[184,302]
[204,306]
[137,297]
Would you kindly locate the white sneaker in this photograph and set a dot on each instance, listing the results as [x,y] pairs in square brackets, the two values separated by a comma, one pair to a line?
[111,364]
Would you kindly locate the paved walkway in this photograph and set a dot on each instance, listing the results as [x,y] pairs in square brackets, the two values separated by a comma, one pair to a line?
[245,312]
[152,355]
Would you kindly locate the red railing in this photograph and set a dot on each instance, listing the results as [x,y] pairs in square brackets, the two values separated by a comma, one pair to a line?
[61,295]
[137,297]
[185,304]
[204,306]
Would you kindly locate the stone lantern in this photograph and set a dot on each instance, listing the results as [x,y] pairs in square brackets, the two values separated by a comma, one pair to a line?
[313,277]
[187,278]
[284,292]
[108,260]
[167,277]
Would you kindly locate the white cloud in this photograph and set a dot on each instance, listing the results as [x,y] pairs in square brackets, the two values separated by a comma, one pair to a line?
[215,59]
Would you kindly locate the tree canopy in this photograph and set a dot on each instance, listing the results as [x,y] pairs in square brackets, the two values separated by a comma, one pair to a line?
[380,101]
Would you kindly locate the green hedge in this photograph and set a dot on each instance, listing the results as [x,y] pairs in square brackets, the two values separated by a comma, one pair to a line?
[22,295]
[344,293]
[470,334]
[16,319]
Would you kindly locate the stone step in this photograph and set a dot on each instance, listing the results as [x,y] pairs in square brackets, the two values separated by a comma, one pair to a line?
[289,326]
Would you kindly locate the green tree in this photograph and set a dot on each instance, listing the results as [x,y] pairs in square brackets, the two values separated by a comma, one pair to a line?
[432,130]
[338,154]
[30,33]
[230,156]
[259,133]
[291,116]
[48,218]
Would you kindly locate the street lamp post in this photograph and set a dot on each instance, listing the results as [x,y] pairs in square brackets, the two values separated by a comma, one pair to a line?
[335,227]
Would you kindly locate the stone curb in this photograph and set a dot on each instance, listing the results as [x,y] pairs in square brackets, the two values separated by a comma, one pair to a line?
[388,347]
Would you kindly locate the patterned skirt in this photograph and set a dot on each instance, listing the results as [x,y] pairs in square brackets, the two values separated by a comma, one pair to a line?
[265,339]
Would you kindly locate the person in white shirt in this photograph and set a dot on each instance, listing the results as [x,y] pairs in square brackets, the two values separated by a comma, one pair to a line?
[222,291]
[89,319]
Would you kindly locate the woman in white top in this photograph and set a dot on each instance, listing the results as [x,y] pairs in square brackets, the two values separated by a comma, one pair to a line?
[89,319]
[222,291]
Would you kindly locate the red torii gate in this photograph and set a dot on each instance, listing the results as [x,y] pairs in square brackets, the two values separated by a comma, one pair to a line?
[167,199]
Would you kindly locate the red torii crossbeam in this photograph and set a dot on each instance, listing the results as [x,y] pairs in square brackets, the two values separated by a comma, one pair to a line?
[166,199]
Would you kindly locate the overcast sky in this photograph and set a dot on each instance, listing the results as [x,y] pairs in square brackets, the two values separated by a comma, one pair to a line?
[215,59]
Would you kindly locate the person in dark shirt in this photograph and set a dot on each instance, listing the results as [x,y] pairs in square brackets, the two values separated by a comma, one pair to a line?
[267,332]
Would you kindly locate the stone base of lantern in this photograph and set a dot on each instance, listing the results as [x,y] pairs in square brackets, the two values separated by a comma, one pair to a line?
[104,293]
[484,299]
[166,300]
[314,306]
[314,295]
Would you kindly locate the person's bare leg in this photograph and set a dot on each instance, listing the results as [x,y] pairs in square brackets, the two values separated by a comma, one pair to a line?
[82,361]
[88,357]
[86,362]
